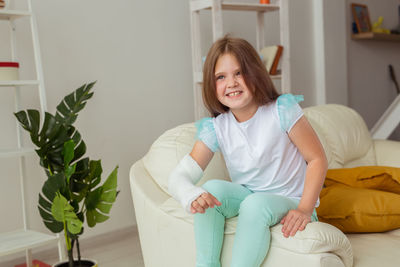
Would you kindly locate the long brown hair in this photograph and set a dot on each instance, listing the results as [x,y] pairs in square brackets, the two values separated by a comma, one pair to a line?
[253,70]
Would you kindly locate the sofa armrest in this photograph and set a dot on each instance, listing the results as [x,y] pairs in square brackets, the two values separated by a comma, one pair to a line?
[142,183]
[318,237]
[387,153]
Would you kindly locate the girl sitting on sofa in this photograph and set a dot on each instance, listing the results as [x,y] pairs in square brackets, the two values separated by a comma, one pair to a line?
[275,160]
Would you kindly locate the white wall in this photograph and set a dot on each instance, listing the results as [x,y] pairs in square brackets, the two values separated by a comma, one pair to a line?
[302,50]
[139,53]
[335,51]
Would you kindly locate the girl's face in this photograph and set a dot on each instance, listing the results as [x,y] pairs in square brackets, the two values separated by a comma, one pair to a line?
[232,90]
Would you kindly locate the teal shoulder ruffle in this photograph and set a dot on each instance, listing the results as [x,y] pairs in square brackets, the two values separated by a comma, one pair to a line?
[206,133]
[289,110]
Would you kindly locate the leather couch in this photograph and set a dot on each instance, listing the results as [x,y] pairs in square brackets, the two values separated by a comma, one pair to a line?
[166,231]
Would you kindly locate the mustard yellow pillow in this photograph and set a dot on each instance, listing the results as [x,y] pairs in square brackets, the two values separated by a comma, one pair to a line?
[357,210]
[372,177]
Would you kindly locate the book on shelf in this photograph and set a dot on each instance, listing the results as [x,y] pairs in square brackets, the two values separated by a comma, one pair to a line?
[271,56]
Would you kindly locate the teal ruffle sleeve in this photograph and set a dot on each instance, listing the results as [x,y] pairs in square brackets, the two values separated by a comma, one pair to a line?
[289,111]
[206,133]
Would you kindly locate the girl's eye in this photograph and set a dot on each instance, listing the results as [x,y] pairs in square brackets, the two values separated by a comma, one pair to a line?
[238,73]
[220,77]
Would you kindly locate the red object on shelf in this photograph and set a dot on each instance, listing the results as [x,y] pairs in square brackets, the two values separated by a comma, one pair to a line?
[264,1]
[9,64]
[35,263]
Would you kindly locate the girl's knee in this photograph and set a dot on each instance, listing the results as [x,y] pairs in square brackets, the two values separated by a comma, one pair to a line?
[253,203]
[269,208]
[215,187]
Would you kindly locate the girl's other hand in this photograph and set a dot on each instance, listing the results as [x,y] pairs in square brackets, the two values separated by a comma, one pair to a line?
[293,221]
[203,202]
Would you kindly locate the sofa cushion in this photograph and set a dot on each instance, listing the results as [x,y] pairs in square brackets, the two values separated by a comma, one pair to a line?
[357,210]
[318,237]
[376,249]
[344,135]
[372,177]
[170,148]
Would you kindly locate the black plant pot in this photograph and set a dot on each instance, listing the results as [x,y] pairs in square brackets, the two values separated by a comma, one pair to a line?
[84,263]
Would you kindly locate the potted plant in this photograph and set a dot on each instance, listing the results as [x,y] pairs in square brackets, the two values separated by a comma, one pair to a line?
[72,192]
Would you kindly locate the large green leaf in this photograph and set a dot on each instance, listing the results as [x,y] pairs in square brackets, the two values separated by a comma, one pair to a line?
[56,130]
[110,187]
[80,146]
[96,170]
[53,184]
[34,119]
[49,190]
[49,221]
[30,121]
[99,201]
[51,144]
[78,184]
[23,120]
[68,152]
[48,126]
[71,104]
[63,212]
[93,217]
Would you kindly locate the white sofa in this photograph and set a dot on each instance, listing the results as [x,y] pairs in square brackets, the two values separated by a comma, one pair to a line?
[166,231]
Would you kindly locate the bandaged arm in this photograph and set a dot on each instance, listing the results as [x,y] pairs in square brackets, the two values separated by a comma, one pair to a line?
[182,180]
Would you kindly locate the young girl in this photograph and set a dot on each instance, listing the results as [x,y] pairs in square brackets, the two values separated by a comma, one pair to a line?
[276,163]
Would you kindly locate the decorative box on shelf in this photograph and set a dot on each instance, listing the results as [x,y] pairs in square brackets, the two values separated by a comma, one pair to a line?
[9,71]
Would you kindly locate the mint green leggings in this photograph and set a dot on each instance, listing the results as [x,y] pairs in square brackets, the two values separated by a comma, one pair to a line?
[257,212]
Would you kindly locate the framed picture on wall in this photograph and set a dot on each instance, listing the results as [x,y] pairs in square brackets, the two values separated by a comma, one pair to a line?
[361,17]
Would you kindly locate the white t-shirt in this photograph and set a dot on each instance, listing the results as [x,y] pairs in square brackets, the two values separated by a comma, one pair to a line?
[258,152]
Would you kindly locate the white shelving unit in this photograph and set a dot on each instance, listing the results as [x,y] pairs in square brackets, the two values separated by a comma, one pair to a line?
[24,239]
[18,83]
[217,7]
[388,122]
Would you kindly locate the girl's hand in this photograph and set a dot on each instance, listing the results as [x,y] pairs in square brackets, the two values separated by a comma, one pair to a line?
[203,202]
[293,221]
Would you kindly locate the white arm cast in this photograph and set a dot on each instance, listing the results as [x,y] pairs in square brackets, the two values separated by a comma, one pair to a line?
[182,180]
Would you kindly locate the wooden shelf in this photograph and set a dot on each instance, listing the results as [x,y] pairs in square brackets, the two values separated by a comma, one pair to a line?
[249,7]
[376,36]
[13,14]
[20,240]
[202,5]
[18,83]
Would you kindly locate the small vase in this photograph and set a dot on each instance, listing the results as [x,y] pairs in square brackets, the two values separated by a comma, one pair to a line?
[84,263]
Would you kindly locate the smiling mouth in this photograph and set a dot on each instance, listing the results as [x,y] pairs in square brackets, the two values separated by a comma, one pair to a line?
[236,93]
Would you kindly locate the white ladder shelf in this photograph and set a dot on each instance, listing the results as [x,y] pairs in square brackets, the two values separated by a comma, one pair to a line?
[24,239]
[388,121]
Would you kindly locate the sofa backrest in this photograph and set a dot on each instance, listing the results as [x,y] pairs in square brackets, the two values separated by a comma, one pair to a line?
[341,130]
[170,148]
[343,134]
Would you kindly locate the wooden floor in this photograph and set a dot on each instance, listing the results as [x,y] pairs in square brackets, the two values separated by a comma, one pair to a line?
[118,249]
